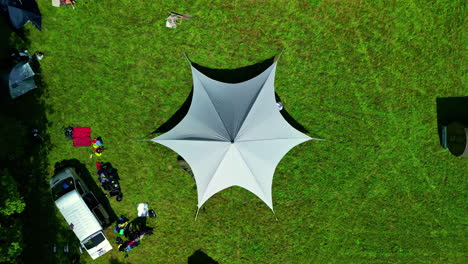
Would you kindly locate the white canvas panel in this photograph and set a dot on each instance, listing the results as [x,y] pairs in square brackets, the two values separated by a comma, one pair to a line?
[233,135]
[232,102]
[203,158]
[201,122]
[232,171]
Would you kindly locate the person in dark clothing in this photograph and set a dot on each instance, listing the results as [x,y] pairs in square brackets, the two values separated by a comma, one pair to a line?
[36,136]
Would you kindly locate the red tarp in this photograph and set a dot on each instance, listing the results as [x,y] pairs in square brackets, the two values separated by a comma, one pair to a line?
[81,136]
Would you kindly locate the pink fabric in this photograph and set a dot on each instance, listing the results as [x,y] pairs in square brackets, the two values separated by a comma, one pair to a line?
[81,136]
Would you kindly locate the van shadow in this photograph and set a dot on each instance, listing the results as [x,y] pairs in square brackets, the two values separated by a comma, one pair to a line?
[228,76]
[92,185]
[114,260]
[451,109]
[200,257]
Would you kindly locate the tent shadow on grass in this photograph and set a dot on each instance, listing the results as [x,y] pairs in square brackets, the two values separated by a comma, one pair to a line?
[228,76]
[200,257]
[235,75]
[451,109]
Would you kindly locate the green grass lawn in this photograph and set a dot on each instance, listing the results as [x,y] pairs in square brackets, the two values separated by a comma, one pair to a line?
[364,75]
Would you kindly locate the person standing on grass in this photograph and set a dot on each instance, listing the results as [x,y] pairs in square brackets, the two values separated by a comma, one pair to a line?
[36,136]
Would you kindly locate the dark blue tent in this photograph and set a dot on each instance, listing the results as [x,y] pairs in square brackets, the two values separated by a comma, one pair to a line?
[21,79]
[20,12]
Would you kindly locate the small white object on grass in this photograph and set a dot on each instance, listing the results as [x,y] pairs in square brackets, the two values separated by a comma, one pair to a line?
[171,22]
[39,55]
[142,209]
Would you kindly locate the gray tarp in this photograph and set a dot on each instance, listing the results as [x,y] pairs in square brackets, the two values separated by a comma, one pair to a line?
[233,135]
[21,79]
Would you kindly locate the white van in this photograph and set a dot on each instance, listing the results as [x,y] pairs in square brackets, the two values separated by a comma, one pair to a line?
[82,211]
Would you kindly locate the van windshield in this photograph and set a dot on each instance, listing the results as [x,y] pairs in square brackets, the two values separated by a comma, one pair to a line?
[63,187]
[94,241]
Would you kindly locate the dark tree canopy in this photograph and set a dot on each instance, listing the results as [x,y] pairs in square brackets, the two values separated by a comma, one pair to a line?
[11,204]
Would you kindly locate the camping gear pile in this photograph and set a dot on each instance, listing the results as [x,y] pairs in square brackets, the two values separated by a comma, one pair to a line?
[133,241]
[98,147]
[122,226]
[133,231]
[109,179]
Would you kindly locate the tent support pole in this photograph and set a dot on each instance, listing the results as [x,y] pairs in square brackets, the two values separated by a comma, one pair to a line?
[185,55]
[274,215]
[196,215]
[318,139]
[277,57]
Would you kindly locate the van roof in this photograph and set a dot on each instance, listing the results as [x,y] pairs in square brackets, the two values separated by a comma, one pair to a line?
[76,212]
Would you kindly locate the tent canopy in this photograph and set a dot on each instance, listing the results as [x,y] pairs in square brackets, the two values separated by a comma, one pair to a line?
[20,12]
[21,79]
[233,135]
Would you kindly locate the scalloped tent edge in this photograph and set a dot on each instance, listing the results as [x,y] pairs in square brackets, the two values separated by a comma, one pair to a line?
[233,135]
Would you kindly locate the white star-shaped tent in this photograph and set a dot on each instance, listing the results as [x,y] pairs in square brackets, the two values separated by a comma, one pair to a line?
[233,135]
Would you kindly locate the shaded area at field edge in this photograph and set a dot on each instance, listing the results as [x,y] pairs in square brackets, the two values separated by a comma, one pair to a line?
[27,161]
